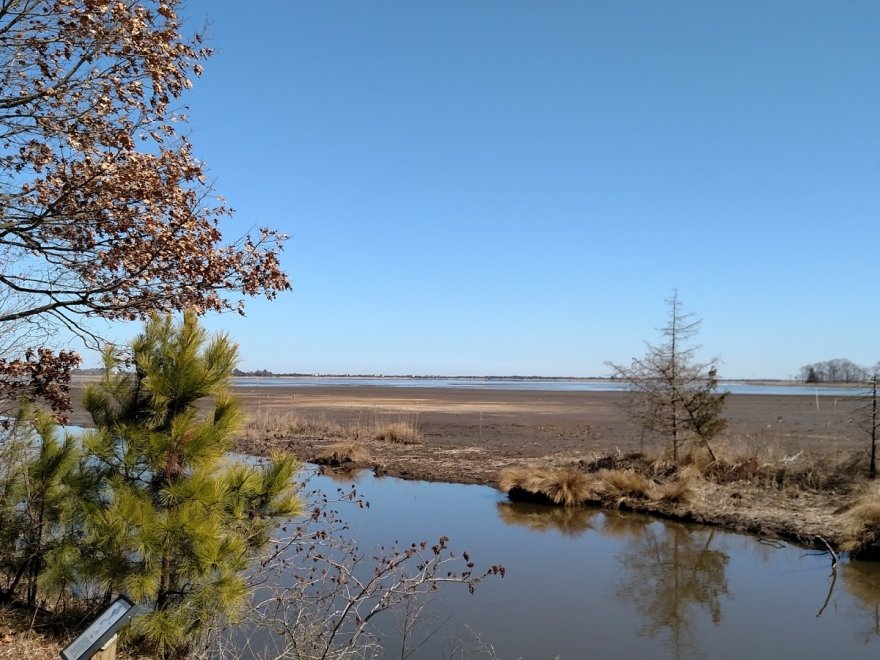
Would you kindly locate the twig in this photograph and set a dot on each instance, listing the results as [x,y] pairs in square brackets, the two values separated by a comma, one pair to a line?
[834,557]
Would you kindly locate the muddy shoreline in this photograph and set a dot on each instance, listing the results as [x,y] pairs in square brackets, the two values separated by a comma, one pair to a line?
[470,435]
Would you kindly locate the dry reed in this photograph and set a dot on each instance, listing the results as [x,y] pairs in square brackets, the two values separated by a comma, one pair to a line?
[619,484]
[280,423]
[861,533]
[343,453]
[565,486]
[404,432]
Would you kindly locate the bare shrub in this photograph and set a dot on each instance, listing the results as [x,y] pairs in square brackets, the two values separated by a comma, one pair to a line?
[316,594]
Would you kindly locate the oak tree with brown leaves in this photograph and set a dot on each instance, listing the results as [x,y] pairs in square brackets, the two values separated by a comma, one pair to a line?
[104,209]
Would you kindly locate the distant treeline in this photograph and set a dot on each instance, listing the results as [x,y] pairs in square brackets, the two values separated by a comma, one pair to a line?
[839,370]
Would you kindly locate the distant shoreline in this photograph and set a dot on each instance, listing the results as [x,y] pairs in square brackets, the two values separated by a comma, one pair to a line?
[84,375]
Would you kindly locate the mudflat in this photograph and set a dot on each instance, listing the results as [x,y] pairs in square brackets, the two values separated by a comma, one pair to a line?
[470,435]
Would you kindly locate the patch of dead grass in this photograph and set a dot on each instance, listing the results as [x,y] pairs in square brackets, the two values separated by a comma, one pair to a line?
[20,639]
[861,531]
[618,484]
[342,454]
[564,486]
[281,423]
[404,432]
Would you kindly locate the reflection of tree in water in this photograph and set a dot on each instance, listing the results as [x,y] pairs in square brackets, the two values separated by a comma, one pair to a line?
[862,580]
[670,573]
[570,520]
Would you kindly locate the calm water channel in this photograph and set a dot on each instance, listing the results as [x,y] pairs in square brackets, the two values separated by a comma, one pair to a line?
[590,584]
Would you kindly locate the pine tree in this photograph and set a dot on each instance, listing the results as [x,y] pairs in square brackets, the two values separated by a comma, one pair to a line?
[39,488]
[674,395]
[176,523]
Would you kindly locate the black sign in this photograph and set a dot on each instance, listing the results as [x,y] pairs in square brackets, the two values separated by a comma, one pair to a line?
[99,633]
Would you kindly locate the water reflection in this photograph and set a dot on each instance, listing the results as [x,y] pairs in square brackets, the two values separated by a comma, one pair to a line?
[570,521]
[670,573]
[582,582]
[862,580]
[342,475]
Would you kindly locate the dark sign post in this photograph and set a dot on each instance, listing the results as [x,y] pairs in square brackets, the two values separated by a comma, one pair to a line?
[100,632]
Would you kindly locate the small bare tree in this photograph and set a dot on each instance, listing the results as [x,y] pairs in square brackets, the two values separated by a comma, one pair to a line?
[315,594]
[867,419]
[676,396]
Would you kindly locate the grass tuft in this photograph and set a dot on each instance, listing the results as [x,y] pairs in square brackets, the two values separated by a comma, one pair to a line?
[565,486]
[861,532]
[343,453]
[281,423]
[619,484]
[404,432]
[678,490]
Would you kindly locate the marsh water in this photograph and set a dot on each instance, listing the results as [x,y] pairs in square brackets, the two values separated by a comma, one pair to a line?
[583,583]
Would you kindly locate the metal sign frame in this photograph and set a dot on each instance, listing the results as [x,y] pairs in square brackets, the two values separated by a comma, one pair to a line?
[100,631]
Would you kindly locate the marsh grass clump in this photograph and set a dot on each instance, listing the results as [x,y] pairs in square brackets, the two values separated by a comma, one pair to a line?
[563,487]
[569,487]
[679,489]
[771,466]
[861,533]
[403,432]
[622,484]
[343,454]
[282,423]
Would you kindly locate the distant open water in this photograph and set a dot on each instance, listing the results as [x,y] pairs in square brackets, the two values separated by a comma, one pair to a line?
[529,384]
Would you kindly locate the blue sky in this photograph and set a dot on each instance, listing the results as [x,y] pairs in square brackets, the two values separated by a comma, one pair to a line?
[505,187]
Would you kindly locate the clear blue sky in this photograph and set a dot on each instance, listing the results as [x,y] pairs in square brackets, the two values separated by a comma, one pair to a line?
[504,187]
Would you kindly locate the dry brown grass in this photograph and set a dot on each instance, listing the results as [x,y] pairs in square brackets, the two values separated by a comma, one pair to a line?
[343,453]
[277,423]
[861,533]
[617,484]
[678,490]
[281,423]
[404,432]
[762,460]
[565,486]
[526,478]
[19,640]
